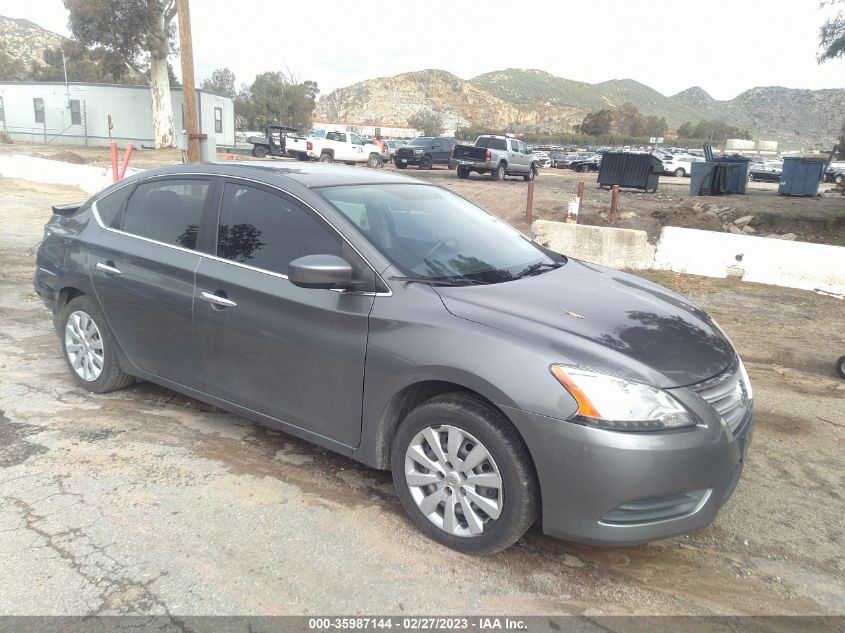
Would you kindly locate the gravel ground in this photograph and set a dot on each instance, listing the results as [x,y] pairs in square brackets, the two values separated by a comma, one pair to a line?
[143,501]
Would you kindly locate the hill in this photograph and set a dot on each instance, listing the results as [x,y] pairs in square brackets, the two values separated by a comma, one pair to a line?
[23,43]
[539,101]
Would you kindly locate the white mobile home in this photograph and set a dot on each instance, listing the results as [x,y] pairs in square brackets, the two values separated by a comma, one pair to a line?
[81,113]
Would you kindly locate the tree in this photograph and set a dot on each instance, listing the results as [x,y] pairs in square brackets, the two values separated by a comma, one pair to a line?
[222,81]
[840,144]
[83,64]
[597,123]
[832,34]
[430,123]
[713,130]
[629,120]
[10,68]
[655,125]
[277,96]
[142,33]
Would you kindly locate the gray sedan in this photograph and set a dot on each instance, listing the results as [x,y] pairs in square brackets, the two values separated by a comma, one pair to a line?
[399,324]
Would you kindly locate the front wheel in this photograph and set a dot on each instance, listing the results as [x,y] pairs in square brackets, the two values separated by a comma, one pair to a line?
[838,179]
[679,173]
[464,475]
[840,366]
[89,347]
[531,175]
[400,164]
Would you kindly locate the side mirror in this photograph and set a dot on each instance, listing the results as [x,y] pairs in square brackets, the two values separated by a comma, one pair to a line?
[320,271]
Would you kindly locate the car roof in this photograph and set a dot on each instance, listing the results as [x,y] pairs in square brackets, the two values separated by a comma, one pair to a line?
[310,174]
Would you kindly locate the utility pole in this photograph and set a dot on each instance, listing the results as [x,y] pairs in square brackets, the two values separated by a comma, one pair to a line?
[189,92]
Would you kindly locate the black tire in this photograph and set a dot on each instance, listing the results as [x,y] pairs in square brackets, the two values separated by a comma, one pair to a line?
[531,175]
[303,157]
[374,161]
[463,172]
[425,163]
[499,173]
[838,178]
[520,492]
[325,157]
[259,151]
[679,172]
[583,169]
[111,377]
[400,165]
[840,367]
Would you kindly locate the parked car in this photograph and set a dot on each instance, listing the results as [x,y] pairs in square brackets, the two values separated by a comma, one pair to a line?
[765,172]
[586,163]
[425,152]
[560,160]
[542,157]
[497,155]
[399,324]
[835,173]
[680,165]
[346,147]
[392,146]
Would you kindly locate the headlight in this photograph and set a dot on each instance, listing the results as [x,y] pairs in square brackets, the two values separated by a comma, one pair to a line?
[610,402]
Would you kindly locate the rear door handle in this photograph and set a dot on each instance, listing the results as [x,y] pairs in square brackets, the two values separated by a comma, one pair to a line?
[108,268]
[217,300]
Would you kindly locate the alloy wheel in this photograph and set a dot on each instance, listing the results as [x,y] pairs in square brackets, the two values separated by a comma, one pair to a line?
[454,480]
[84,346]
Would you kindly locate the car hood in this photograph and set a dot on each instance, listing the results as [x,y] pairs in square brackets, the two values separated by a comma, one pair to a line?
[602,319]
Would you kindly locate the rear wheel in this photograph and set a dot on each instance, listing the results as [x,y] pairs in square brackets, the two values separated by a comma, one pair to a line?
[463,474]
[463,172]
[374,161]
[840,366]
[259,151]
[325,157]
[499,172]
[425,162]
[679,172]
[89,347]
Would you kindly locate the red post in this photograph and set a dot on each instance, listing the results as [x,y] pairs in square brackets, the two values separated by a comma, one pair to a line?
[614,204]
[126,156]
[114,173]
[580,190]
[529,207]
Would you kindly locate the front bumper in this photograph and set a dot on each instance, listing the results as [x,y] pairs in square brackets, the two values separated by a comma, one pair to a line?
[608,488]
[405,159]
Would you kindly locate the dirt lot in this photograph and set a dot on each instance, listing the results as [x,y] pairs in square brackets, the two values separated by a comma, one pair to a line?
[142,501]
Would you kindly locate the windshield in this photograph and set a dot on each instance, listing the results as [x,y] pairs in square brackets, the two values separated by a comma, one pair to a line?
[423,140]
[430,232]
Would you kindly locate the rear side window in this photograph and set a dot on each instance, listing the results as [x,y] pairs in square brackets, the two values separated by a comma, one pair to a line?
[110,207]
[167,211]
[268,230]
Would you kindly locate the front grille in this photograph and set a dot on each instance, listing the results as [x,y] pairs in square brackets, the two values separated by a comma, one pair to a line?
[726,393]
[659,509]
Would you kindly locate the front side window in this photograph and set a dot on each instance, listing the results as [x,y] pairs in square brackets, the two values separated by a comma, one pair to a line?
[514,146]
[38,106]
[167,211]
[356,140]
[218,120]
[430,232]
[268,230]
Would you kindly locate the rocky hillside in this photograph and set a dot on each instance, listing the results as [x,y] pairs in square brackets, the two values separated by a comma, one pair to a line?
[538,101]
[25,42]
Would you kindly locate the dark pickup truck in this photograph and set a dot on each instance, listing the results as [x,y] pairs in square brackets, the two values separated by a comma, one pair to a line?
[425,152]
[497,155]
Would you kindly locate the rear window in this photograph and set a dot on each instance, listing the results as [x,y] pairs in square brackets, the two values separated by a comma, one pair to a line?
[492,143]
[110,207]
[167,211]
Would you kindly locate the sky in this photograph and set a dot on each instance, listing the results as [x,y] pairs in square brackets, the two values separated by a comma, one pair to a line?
[724,46]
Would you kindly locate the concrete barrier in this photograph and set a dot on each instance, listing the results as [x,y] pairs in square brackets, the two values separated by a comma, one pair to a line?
[751,258]
[616,248]
[89,178]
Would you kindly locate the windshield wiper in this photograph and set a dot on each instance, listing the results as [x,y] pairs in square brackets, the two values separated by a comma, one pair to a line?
[442,281]
[534,268]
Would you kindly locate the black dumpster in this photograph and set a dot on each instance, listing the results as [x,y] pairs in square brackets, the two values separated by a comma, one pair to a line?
[801,176]
[637,171]
[739,177]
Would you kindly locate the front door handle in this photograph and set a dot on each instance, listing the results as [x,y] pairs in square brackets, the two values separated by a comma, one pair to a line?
[217,300]
[109,268]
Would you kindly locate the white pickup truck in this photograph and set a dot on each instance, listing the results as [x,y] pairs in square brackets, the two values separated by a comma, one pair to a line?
[344,147]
